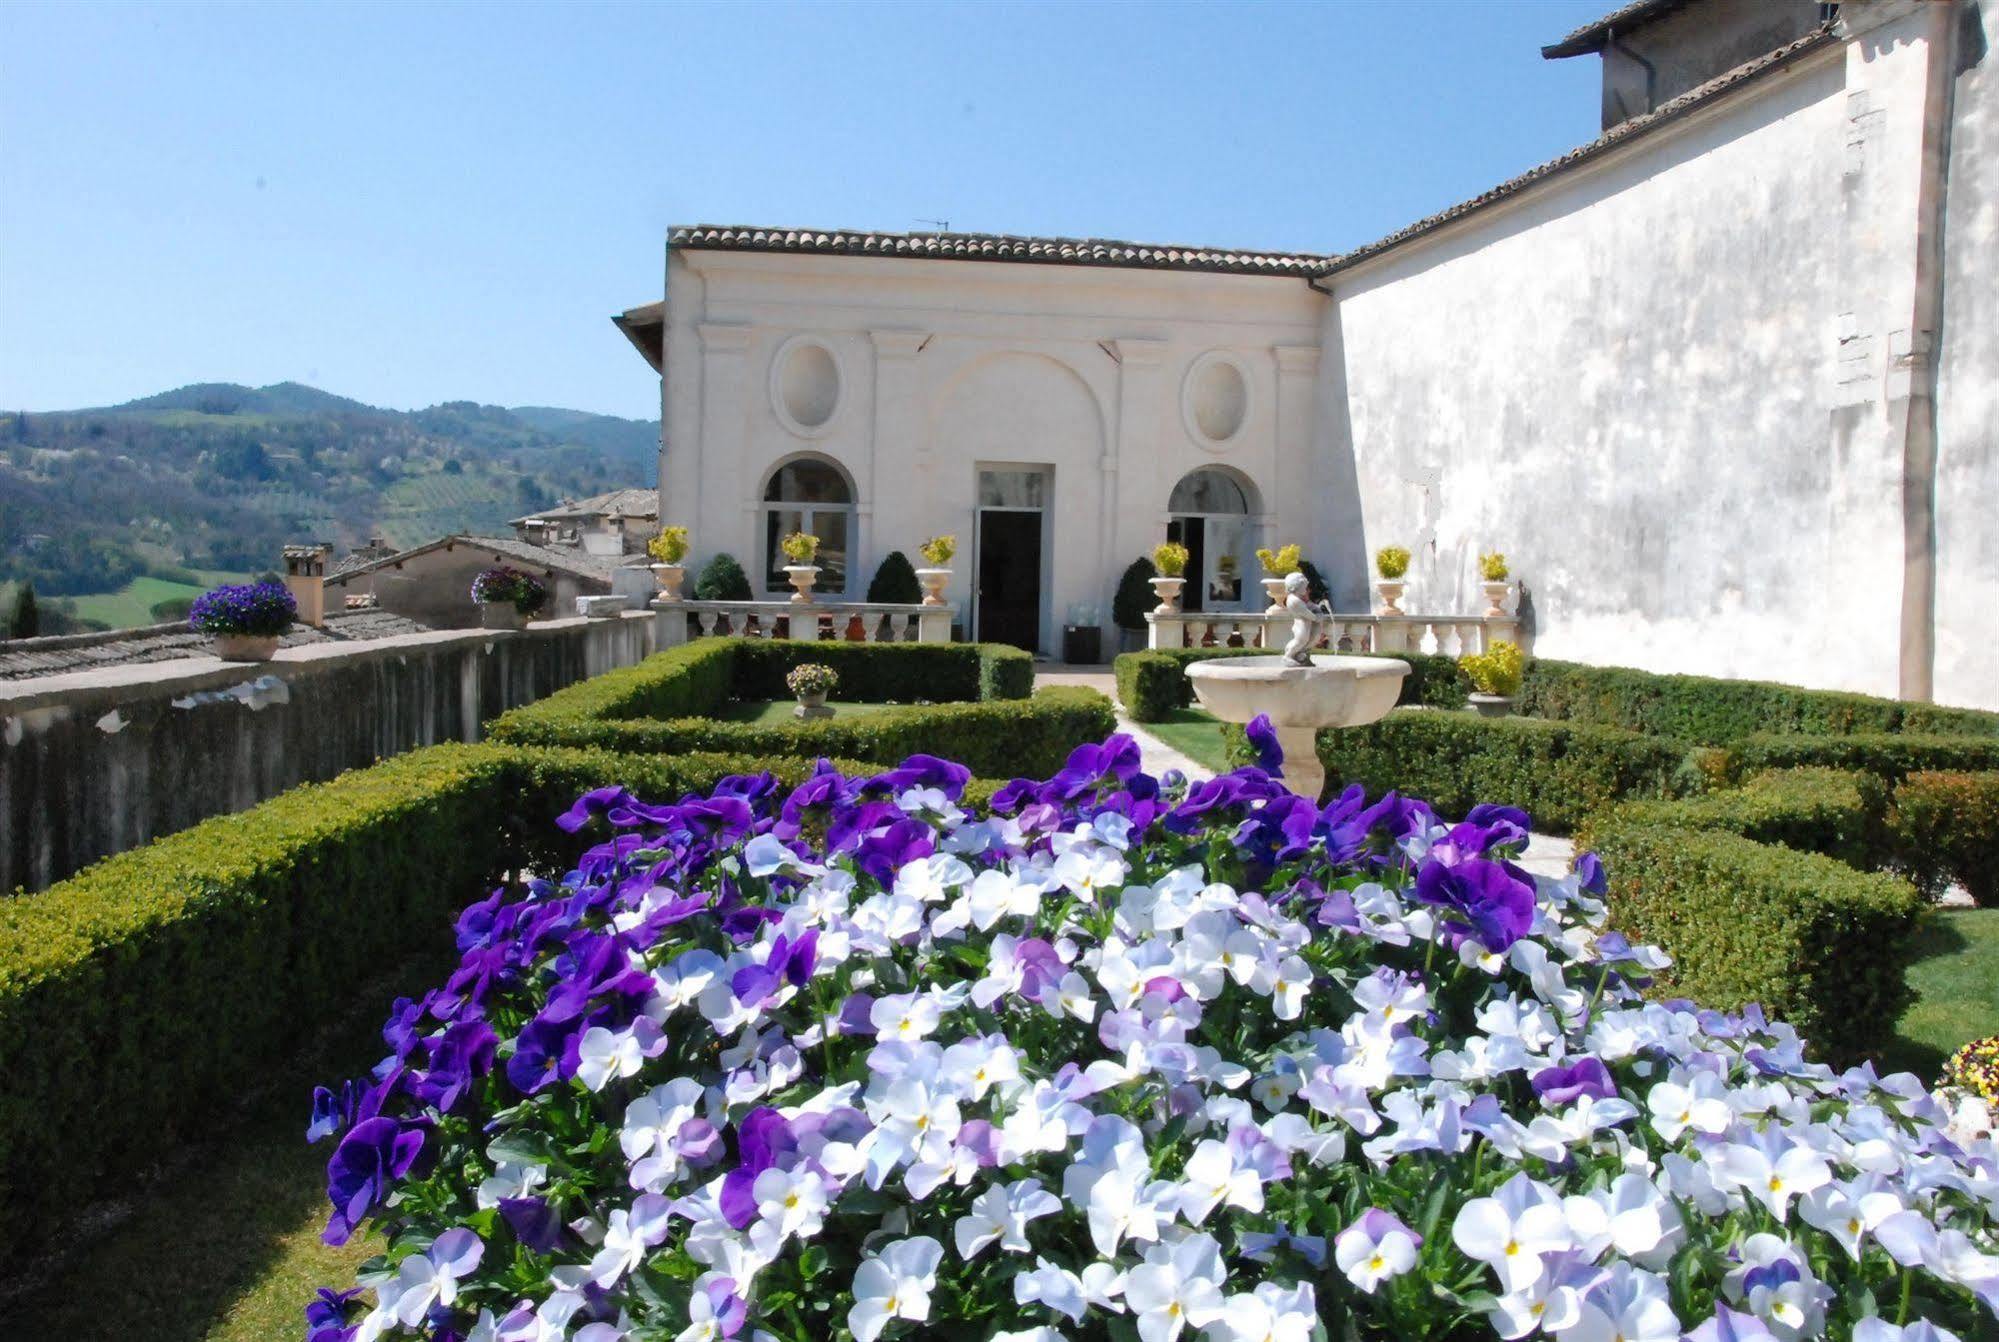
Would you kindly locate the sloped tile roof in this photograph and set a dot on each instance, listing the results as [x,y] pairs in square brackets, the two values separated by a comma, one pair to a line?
[1625,130]
[996,247]
[568,559]
[28,658]
[1624,19]
[616,503]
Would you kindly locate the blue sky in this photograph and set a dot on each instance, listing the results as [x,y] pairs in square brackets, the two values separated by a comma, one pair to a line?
[422,202]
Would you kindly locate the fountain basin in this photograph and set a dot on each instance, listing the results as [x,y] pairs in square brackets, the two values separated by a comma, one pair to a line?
[1331,692]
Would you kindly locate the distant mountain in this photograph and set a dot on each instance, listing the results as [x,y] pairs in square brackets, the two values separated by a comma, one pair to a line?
[219,476]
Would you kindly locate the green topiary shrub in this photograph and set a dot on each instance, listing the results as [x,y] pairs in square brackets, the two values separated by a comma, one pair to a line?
[1134,595]
[1557,772]
[1946,828]
[722,579]
[1315,582]
[1714,712]
[1152,684]
[1814,941]
[1827,811]
[895,581]
[1888,755]
[1001,738]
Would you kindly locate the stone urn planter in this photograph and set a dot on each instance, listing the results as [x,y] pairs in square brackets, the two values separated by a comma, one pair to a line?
[501,615]
[1492,705]
[1391,595]
[1495,598]
[1168,592]
[933,580]
[246,647]
[1273,595]
[802,577]
[669,577]
[811,706]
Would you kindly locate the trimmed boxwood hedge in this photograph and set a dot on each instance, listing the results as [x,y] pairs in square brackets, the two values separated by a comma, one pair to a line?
[1833,812]
[1714,712]
[1152,684]
[1816,942]
[1558,772]
[1946,827]
[1001,738]
[1887,755]
[140,994]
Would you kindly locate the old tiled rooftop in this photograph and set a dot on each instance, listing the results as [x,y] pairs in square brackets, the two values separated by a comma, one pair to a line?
[26,659]
[996,247]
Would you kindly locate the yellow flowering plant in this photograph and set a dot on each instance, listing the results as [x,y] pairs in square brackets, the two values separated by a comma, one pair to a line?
[1493,566]
[1497,670]
[669,546]
[800,547]
[1281,562]
[937,551]
[1170,559]
[1391,561]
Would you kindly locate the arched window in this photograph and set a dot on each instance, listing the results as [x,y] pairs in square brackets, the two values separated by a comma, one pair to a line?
[1211,512]
[813,495]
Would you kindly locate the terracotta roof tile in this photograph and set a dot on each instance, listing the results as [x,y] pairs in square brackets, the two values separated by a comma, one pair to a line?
[997,247]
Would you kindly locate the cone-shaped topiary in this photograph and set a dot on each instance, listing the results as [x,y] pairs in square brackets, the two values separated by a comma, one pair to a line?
[722,579]
[1134,595]
[1315,582]
[895,581]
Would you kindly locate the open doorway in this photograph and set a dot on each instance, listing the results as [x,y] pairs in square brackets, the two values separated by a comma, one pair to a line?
[1011,542]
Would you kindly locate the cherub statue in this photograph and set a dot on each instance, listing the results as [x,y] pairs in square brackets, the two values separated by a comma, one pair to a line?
[1305,618]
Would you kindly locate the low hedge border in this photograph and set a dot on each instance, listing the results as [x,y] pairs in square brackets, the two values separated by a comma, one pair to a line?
[1558,772]
[1946,827]
[136,995]
[1833,812]
[1001,738]
[1713,712]
[1890,756]
[1818,943]
[1152,684]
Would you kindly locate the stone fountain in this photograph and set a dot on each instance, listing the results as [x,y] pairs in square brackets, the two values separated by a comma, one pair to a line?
[1300,692]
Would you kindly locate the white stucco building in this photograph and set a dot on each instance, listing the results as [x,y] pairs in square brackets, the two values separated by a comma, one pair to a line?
[1722,383]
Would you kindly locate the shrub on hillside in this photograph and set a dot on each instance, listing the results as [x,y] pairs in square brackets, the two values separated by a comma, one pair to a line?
[1946,828]
[722,579]
[895,581]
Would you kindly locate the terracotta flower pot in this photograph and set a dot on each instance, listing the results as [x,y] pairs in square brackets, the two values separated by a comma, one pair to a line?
[1391,595]
[246,647]
[1168,591]
[669,578]
[501,615]
[933,580]
[802,577]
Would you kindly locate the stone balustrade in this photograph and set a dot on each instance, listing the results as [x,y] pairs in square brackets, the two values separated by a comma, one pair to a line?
[849,621]
[1452,635]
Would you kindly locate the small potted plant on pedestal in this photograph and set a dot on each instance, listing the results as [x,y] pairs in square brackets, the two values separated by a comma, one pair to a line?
[801,548]
[1278,565]
[936,552]
[1171,561]
[245,620]
[1495,673]
[1391,562]
[1492,568]
[507,597]
[667,549]
[812,682]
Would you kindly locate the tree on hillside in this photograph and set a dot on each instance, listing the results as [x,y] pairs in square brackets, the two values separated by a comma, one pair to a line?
[20,426]
[26,621]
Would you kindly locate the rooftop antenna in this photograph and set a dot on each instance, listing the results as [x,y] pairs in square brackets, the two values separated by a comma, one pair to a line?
[941,225]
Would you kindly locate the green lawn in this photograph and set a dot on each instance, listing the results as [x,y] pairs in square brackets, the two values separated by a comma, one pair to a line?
[1956,978]
[778,712]
[132,605]
[1195,733]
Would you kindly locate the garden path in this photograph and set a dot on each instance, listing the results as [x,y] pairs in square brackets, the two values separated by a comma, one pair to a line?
[1546,855]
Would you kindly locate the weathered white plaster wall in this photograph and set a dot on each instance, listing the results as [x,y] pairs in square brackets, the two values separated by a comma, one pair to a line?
[1623,381]
[947,366]
[1967,532]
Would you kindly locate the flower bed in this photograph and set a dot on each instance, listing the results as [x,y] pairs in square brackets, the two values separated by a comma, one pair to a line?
[842,1061]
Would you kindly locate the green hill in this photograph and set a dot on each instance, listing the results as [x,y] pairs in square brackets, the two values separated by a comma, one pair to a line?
[217,476]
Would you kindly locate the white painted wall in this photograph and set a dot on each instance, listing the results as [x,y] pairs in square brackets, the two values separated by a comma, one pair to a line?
[1967,531]
[944,366]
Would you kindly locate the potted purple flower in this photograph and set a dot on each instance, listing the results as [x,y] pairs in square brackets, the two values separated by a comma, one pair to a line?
[507,597]
[245,620]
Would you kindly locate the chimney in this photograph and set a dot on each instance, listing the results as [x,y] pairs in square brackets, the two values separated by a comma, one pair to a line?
[305,575]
